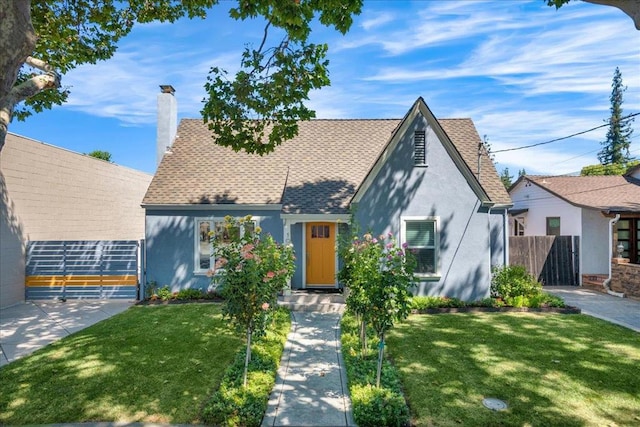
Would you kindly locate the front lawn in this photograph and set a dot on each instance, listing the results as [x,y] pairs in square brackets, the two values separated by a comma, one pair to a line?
[151,363]
[565,370]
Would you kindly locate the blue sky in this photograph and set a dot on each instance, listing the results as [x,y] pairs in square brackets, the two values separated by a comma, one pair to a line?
[524,72]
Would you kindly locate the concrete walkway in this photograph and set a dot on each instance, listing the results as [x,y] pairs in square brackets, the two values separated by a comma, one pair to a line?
[311,386]
[621,311]
[26,327]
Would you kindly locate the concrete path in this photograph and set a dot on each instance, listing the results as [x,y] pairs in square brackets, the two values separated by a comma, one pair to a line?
[26,327]
[621,311]
[311,386]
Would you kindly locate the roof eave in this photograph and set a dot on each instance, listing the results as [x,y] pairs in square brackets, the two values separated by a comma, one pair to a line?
[212,206]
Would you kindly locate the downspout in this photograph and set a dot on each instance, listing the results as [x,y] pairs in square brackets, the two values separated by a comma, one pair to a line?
[607,281]
[505,237]
[490,206]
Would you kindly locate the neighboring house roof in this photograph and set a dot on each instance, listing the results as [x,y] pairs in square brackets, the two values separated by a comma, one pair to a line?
[605,193]
[318,171]
[634,171]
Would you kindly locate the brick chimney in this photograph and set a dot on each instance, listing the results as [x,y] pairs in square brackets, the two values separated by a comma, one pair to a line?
[167,121]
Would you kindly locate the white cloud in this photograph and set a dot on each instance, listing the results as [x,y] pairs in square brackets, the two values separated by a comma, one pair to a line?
[377,20]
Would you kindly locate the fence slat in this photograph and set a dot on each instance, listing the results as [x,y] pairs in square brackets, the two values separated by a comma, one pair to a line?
[552,260]
[82,269]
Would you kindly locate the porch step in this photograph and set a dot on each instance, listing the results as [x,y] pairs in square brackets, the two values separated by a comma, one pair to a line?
[594,282]
[313,301]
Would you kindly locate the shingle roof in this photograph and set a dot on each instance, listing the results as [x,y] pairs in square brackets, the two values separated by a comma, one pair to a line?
[321,168]
[464,136]
[608,193]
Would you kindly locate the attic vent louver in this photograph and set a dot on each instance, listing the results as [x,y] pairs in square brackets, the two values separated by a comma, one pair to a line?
[420,148]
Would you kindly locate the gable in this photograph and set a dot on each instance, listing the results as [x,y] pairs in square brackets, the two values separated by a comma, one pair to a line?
[484,183]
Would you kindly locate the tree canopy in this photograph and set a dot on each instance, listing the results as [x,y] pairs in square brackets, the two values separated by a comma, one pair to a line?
[100,154]
[42,40]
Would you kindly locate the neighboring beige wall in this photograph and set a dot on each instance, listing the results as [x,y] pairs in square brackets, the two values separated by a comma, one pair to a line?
[49,193]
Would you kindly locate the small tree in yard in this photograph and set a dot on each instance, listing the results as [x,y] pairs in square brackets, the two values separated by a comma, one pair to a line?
[379,275]
[251,269]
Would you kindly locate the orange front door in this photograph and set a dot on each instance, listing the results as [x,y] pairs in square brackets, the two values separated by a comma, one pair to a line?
[321,254]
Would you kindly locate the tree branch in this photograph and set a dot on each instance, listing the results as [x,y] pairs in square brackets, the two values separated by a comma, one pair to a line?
[630,7]
[36,84]
[39,64]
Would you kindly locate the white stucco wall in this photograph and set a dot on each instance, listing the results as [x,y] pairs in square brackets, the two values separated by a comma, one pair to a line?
[594,257]
[542,204]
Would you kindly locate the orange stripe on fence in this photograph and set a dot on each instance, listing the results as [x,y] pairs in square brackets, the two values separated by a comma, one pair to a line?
[56,281]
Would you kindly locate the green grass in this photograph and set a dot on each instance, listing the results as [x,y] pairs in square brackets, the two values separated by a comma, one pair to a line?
[564,370]
[150,363]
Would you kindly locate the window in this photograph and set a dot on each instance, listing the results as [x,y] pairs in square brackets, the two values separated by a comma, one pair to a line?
[204,260]
[320,232]
[421,236]
[420,148]
[518,226]
[553,226]
[628,231]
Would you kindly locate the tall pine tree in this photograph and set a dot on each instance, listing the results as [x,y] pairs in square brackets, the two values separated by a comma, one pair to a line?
[615,149]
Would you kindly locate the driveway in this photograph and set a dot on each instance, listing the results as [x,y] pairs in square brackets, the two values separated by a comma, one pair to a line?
[26,327]
[621,311]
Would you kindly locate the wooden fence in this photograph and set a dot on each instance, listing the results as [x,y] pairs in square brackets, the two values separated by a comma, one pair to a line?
[552,260]
[82,269]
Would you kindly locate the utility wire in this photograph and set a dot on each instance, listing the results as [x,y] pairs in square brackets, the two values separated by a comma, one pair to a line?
[564,137]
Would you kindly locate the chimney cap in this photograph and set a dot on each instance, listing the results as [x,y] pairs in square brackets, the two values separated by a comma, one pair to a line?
[167,89]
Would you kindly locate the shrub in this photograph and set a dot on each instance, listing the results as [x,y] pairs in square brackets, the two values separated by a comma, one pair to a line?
[423,303]
[488,302]
[188,294]
[553,300]
[236,405]
[372,406]
[512,281]
[164,293]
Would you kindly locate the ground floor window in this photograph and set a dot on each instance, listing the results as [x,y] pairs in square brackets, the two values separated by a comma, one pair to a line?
[209,229]
[420,235]
[553,226]
[628,230]
[518,226]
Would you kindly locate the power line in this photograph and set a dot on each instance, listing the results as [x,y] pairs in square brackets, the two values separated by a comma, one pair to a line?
[593,151]
[564,137]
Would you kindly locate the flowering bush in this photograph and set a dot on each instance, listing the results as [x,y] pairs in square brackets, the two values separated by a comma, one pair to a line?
[251,269]
[379,275]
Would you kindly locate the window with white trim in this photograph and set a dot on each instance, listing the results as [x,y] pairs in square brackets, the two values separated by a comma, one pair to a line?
[421,237]
[208,229]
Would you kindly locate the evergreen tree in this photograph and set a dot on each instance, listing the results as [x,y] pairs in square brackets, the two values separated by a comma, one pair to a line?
[615,149]
[506,178]
[522,172]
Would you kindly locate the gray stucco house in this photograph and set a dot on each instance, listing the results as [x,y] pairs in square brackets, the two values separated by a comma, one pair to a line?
[418,177]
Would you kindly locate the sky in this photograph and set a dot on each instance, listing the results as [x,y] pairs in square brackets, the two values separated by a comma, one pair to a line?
[525,73]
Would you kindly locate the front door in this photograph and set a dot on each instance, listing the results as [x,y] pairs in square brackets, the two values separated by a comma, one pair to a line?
[321,254]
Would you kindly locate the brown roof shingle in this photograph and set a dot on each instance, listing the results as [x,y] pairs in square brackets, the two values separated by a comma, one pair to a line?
[607,193]
[321,168]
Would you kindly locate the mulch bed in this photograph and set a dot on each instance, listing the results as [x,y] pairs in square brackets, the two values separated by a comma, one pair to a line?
[561,310]
[179,301]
